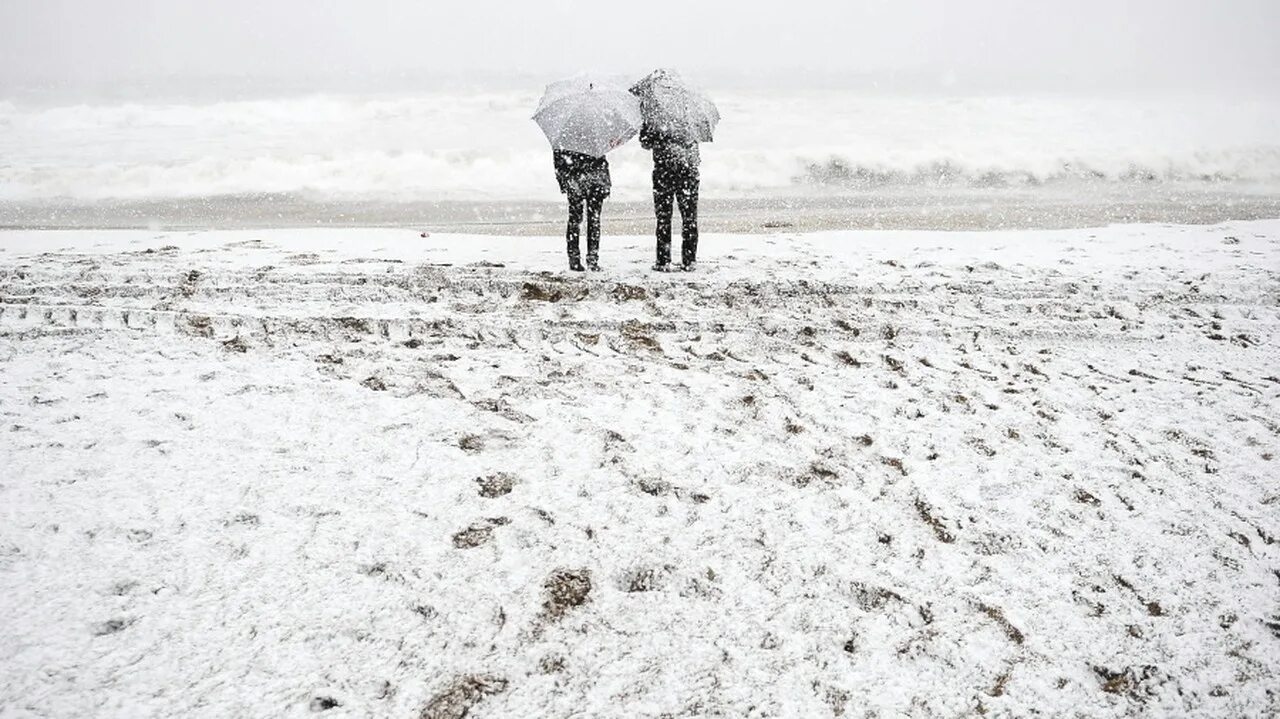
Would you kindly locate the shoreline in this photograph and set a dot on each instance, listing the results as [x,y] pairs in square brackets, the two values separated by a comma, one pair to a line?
[899,209]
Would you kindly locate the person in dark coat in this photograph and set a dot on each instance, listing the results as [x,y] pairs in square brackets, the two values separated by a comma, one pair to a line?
[675,182]
[586,182]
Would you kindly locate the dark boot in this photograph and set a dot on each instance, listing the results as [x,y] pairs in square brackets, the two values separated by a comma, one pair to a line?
[571,232]
[594,207]
[687,198]
[663,200]
[575,259]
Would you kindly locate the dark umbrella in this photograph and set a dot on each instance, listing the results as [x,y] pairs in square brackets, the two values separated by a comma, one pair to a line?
[673,109]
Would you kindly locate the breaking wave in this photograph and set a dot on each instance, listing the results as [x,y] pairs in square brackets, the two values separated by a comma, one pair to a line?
[1253,166]
[481,146]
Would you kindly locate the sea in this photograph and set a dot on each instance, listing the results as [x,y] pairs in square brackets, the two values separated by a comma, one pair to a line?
[468,157]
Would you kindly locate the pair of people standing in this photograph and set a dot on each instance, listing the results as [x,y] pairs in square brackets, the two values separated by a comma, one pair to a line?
[585,180]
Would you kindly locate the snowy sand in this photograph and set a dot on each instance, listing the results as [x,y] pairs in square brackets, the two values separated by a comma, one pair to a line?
[359,472]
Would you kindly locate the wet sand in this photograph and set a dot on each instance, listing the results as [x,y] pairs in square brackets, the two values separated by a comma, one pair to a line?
[912,208]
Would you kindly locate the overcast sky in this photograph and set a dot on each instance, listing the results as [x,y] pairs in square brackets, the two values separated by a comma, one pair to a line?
[1191,44]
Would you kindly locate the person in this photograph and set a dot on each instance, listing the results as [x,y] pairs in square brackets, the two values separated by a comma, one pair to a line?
[675,182]
[585,181]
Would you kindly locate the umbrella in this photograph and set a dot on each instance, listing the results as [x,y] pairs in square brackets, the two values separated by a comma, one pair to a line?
[675,109]
[588,115]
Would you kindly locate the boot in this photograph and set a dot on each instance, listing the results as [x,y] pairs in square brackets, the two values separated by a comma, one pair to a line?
[575,259]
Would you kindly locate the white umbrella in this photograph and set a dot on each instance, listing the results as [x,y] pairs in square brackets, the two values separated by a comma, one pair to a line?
[674,109]
[587,114]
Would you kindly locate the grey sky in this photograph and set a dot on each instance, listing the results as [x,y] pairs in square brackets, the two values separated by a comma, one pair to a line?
[1135,43]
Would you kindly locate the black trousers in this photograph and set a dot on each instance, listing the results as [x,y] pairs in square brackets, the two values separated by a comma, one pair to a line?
[593,205]
[672,186]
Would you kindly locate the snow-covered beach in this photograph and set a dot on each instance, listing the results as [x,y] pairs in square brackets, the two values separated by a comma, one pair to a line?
[271,472]
[956,395]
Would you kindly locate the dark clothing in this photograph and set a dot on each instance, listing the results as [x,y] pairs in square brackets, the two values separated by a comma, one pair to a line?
[579,174]
[593,204]
[586,182]
[675,185]
[670,152]
[675,182]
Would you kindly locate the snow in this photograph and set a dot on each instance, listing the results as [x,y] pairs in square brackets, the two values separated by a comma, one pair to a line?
[905,473]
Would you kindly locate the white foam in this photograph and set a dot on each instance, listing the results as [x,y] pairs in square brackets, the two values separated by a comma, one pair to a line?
[482,145]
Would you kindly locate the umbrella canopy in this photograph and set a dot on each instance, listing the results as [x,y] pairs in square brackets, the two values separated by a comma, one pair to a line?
[673,108]
[587,114]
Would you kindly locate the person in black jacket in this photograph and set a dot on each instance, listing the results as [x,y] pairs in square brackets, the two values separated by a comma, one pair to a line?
[586,182]
[675,181]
